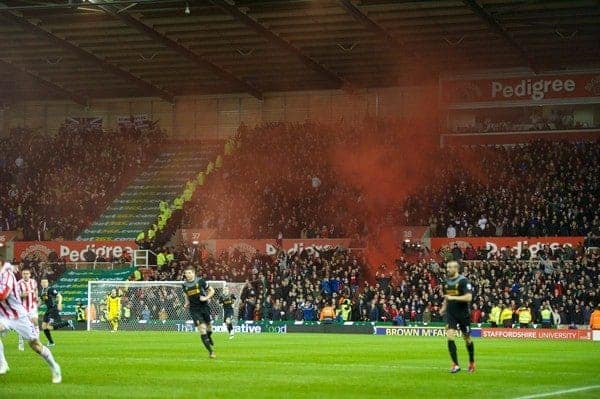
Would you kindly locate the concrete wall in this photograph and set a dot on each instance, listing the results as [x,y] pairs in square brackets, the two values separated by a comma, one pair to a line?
[219,116]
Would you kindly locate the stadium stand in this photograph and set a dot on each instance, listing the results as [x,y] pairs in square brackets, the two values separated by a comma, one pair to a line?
[282,287]
[79,170]
[537,189]
[135,209]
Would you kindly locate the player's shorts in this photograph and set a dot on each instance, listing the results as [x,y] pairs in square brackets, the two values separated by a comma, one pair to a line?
[227,314]
[33,313]
[200,316]
[51,316]
[456,322]
[23,326]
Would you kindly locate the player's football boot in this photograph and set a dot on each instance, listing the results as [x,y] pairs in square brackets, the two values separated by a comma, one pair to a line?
[56,375]
[230,336]
[21,346]
[212,355]
[4,368]
[471,367]
[455,368]
[50,344]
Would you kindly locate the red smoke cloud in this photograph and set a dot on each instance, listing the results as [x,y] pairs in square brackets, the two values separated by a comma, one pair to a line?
[386,165]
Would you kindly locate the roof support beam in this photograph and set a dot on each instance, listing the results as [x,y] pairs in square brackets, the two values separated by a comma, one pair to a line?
[375,28]
[53,87]
[148,88]
[274,38]
[495,26]
[183,50]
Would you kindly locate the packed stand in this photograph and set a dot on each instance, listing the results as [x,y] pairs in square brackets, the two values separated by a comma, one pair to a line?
[284,180]
[54,186]
[570,290]
[538,189]
[275,184]
[335,287]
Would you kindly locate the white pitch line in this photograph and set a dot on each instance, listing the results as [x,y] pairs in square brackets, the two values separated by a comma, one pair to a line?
[556,393]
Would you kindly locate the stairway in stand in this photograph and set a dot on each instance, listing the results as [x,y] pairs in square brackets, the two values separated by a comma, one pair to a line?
[163,180]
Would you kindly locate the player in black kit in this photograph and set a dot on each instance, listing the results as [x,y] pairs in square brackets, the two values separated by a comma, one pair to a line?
[457,297]
[227,300]
[52,320]
[197,297]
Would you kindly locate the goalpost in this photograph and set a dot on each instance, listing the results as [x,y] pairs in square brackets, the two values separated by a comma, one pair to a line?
[153,305]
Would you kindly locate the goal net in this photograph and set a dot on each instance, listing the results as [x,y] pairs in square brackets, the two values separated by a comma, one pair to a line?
[153,305]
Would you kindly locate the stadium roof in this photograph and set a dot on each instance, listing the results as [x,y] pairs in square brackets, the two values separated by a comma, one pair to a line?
[124,48]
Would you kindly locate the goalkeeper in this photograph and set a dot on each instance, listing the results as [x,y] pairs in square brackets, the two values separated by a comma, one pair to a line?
[113,309]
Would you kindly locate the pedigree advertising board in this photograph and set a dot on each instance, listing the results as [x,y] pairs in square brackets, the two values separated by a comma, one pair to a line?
[495,244]
[524,88]
[291,246]
[72,251]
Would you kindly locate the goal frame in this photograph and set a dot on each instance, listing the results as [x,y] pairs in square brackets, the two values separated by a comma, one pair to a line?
[109,284]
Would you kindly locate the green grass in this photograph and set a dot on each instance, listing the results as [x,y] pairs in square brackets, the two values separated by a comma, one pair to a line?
[175,365]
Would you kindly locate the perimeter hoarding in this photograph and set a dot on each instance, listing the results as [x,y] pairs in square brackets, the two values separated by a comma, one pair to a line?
[271,247]
[418,331]
[495,244]
[72,251]
[536,333]
[510,333]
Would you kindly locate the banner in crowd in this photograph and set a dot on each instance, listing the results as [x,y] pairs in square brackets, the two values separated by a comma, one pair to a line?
[270,247]
[419,331]
[495,244]
[411,233]
[190,235]
[536,333]
[76,124]
[6,236]
[531,88]
[138,121]
[72,251]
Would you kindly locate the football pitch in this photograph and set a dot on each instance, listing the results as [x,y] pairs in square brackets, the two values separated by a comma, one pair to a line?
[175,365]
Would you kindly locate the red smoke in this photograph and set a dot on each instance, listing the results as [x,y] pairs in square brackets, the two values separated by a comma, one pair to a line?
[387,165]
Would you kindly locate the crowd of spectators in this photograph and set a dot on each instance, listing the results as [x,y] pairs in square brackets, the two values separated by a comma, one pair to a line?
[278,181]
[52,186]
[281,181]
[305,287]
[539,189]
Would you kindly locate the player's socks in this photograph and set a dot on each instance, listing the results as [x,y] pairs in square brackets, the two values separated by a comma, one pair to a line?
[115,325]
[49,336]
[3,363]
[2,358]
[452,350]
[471,349]
[229,328]
[206,342]
[47,355]
[209,335]
[21,345]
